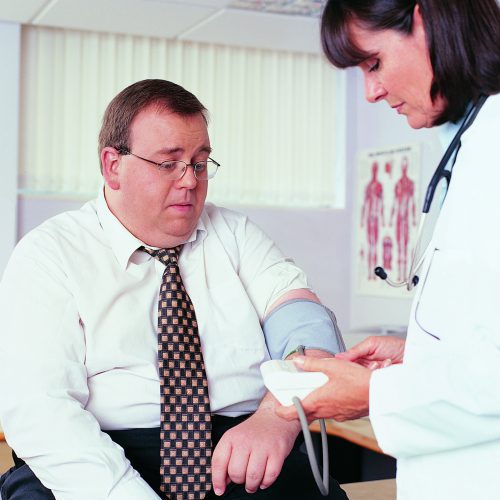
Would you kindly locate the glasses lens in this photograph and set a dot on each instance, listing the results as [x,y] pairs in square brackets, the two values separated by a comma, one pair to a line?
[427,225]
[172,169]
[205,170]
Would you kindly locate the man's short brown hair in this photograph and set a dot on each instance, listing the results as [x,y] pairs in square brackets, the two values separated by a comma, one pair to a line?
[122,110]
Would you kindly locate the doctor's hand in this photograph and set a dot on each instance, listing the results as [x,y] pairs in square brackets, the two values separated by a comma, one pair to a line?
[344,397]
[376,352]
[253,452]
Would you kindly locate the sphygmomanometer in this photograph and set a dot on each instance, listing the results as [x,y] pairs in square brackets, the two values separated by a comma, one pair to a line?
[295,326]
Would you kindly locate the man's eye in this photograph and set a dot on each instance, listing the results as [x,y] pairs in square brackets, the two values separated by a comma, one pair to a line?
[200,166]
[169,166]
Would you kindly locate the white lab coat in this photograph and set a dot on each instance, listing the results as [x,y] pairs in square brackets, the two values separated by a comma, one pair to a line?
[439,412]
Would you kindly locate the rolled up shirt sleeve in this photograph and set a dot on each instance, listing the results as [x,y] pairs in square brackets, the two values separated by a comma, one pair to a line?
[265,272]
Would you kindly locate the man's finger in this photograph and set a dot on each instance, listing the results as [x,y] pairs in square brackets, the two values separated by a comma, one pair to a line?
[237,467]
[220,461]
[255,471]
[273,469]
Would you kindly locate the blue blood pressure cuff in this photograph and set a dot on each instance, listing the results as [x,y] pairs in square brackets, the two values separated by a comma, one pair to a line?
[301,322]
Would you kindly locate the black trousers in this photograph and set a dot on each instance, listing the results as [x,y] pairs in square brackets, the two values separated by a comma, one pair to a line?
[142,448]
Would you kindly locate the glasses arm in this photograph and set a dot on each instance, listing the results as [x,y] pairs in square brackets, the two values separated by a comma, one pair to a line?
[125,152]
[213,161]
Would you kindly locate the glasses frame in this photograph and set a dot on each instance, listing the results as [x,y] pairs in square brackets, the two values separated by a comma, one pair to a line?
[126,152]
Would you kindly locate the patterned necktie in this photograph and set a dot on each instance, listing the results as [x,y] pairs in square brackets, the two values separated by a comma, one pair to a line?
[185,434]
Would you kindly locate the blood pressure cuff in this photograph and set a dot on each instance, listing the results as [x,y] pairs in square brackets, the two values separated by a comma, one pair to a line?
[301,322]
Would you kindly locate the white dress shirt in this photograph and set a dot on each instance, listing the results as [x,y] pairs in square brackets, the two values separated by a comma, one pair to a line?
[439,411]
[78,320]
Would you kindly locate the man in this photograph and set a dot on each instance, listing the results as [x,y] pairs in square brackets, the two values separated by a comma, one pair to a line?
[132,330]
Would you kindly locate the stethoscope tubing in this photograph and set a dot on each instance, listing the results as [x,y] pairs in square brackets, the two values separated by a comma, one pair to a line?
[440,173]
[453,147]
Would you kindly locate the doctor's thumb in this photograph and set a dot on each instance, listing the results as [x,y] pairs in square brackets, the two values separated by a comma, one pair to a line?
[310,364]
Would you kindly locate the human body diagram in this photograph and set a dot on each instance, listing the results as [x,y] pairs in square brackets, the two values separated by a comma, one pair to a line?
[387,217]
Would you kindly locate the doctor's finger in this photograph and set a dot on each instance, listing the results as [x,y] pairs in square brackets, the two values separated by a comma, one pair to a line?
[364,349]
[310,364]
[347,355]
[287,412]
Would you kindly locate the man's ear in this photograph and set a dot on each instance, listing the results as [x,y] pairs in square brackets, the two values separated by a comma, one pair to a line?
[110,163]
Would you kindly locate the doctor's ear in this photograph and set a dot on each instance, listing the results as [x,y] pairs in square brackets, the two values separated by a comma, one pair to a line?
[417,17]
[110,166]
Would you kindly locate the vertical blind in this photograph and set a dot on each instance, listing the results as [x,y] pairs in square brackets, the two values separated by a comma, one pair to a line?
[274,116]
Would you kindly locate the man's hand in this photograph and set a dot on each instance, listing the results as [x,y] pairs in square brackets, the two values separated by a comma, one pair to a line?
[376,352]
[344,397]
[253,452]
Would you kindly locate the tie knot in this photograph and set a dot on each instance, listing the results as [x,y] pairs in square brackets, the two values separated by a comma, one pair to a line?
[165,255]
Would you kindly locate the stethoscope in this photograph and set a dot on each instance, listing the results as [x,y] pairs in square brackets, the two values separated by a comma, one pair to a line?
[441,173]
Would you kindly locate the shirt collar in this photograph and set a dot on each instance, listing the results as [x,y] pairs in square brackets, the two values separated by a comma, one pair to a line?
[123,242]
[200,231]
[448,130]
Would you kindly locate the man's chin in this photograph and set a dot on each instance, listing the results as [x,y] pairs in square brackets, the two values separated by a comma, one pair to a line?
[176,234]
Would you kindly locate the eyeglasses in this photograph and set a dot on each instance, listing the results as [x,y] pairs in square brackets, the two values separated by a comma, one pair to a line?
[175,169]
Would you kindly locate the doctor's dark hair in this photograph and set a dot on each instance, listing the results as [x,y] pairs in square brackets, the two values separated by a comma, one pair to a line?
[463,38]
[121,111]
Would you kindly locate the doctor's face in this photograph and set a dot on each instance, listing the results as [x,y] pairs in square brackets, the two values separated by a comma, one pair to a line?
[399,71]
[159,211]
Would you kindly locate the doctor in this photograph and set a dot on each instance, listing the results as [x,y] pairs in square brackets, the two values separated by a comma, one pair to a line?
[435,402]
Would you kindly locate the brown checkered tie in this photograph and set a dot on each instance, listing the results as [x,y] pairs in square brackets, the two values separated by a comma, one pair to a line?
[186,445]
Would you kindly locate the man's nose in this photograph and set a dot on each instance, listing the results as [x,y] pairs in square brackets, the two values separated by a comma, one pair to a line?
[188,179]
[374,90]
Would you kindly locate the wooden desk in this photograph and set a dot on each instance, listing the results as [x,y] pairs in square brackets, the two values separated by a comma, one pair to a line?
[384,489]
[359,432]
[5,454]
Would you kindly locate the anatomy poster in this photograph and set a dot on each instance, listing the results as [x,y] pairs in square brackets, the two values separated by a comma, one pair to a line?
[388,209]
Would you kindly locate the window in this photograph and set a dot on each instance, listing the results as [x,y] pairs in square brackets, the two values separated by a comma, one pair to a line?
[276,122]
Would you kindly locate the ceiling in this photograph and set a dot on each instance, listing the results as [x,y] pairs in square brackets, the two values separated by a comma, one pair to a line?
[265,24]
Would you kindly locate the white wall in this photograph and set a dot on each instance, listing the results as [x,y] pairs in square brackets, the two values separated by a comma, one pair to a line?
[10,40]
